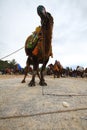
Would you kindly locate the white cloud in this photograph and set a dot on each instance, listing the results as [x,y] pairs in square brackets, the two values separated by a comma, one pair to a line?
[18,19]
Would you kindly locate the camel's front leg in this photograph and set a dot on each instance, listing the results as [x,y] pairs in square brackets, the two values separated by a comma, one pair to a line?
[42,80]
[32,82]
[35,69]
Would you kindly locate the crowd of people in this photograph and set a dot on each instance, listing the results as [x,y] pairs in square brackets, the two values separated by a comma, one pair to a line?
[17,69]
[56,69]
[59,71]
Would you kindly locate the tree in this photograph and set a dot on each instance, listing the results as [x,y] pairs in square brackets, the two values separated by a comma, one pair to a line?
[13,62]
[7,64]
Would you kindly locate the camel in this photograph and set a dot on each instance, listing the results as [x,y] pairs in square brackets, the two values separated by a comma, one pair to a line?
[42,49]
[56,69]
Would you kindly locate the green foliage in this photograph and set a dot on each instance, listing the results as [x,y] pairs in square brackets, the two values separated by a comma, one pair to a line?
[7,64]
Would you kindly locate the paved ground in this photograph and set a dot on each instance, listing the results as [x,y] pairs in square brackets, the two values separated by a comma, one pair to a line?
[62,105]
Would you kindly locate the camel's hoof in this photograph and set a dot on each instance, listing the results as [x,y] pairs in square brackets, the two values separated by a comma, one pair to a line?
[43,83]
[31,84]
[23,81]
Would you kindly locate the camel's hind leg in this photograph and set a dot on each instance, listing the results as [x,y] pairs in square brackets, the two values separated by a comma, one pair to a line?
[26,69]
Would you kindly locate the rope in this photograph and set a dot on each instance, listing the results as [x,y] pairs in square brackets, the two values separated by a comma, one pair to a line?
[43,113]
[70,95]
[11,53]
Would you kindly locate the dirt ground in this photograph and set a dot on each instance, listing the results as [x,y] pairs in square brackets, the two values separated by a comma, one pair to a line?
[61,105]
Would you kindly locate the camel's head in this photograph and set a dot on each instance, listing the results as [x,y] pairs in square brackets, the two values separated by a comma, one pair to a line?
[41,11]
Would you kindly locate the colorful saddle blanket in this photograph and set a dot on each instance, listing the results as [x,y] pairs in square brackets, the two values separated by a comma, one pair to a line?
[34,44]
[33,38]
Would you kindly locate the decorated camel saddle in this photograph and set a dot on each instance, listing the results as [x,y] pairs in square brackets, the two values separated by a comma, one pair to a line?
[34,43]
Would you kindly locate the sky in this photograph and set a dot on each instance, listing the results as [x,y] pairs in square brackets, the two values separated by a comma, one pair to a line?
[18,19]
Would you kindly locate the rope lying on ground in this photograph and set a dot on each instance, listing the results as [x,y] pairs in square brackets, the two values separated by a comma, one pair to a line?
[12,53]
[65,94]
[42,113]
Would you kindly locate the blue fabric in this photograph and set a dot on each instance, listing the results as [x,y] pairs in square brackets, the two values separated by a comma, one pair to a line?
[19,67]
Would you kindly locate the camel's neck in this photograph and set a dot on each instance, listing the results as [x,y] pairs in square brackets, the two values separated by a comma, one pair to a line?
[47,27]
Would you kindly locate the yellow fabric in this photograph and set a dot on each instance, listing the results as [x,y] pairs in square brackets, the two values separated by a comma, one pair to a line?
[38,29]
